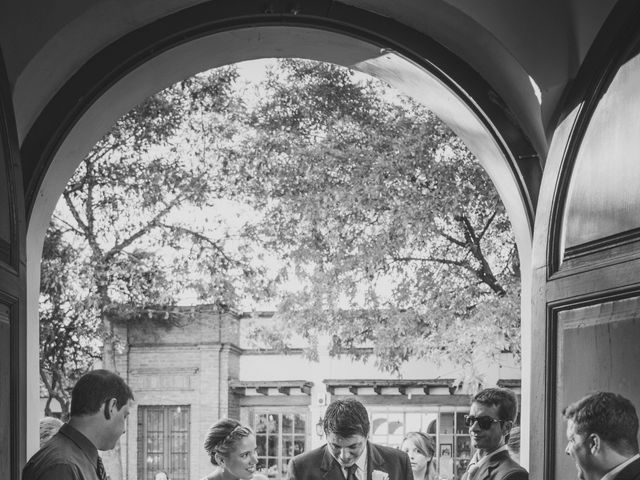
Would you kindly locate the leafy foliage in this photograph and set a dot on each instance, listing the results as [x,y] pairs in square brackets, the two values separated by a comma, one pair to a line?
[386,231]
[138,211]
[129,213]
[67,326]
[395,234]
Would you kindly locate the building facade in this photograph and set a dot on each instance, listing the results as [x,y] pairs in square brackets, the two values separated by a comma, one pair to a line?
[186,378]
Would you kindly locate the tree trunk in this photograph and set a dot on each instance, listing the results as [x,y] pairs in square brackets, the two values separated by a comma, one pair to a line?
[112,459]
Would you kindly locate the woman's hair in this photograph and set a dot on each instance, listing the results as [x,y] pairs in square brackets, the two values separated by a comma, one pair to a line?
[427,446]
[223,437]
[49,426]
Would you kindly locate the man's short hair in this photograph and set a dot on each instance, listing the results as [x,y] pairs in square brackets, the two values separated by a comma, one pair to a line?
[609,415]
[503,398]
[346,418]
[96,387]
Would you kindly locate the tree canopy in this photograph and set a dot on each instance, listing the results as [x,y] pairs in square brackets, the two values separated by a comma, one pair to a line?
[352,209]
[67,329]
[393,231]
[133,208]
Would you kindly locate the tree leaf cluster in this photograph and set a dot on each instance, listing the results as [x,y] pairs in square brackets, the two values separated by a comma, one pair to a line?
[138,211]
[357,212]
[67,322]
[378,208]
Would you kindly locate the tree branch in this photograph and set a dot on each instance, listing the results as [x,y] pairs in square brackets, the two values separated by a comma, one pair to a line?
[84,227]
[71,227]
[484,273]
[203,238]
[446,261]
[150,225]
[460,243]
[486,227]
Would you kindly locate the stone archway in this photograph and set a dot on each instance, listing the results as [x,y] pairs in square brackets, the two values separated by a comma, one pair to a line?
[493,138]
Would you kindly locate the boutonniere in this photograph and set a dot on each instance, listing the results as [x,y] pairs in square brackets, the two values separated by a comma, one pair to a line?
[379,475]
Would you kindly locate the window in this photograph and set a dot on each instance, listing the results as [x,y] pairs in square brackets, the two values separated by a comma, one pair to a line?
[163,441]
[445,424]
[280,435]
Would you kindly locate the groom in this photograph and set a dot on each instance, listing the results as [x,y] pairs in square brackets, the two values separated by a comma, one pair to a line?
[348,455]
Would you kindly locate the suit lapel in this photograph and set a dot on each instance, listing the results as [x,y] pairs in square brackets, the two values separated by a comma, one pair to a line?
[330,468]
[375,461]
[332,471]
[487,469]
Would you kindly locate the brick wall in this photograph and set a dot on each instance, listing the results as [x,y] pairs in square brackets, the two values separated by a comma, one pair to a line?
[189,365]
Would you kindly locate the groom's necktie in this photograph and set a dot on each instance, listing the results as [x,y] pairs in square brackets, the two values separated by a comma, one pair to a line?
[351,472]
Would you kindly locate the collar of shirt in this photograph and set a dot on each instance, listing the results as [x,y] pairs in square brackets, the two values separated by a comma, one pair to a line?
[478,462]
[362,466]
[81,441]
[611,474]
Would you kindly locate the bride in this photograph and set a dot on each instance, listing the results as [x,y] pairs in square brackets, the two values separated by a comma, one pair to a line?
[231,446]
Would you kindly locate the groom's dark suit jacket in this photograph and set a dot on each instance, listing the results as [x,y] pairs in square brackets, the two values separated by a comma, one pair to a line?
[318,464]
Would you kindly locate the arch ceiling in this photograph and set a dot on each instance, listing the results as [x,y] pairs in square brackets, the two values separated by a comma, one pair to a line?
[518,56]
[515,57]
[505,43]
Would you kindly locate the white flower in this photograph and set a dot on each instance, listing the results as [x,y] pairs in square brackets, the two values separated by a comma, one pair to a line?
[379,475]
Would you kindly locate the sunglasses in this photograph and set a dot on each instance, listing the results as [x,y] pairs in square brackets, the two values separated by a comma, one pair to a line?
[483,422]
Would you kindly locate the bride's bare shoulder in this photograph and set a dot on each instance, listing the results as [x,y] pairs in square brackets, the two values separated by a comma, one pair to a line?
[215,475]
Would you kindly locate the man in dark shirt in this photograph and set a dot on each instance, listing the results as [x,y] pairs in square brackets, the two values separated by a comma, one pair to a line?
[100,403]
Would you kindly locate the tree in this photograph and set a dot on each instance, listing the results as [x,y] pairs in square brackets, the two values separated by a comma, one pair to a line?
[67,328]
[136,212]
[134,206]
[395,234]
[392,232]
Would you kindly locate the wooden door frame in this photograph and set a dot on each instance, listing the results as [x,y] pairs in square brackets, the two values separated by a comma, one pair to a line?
[13,282]
[590,274]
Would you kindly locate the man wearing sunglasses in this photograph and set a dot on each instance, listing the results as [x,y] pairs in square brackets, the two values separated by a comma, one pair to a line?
[490,419]
[602,437]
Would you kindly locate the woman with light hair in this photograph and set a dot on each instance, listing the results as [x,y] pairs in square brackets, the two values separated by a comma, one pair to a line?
[421,450]
[231,446]
[49,426]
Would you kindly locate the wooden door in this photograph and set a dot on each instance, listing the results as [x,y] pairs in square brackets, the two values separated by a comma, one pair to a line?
[586,278]
[12,292]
